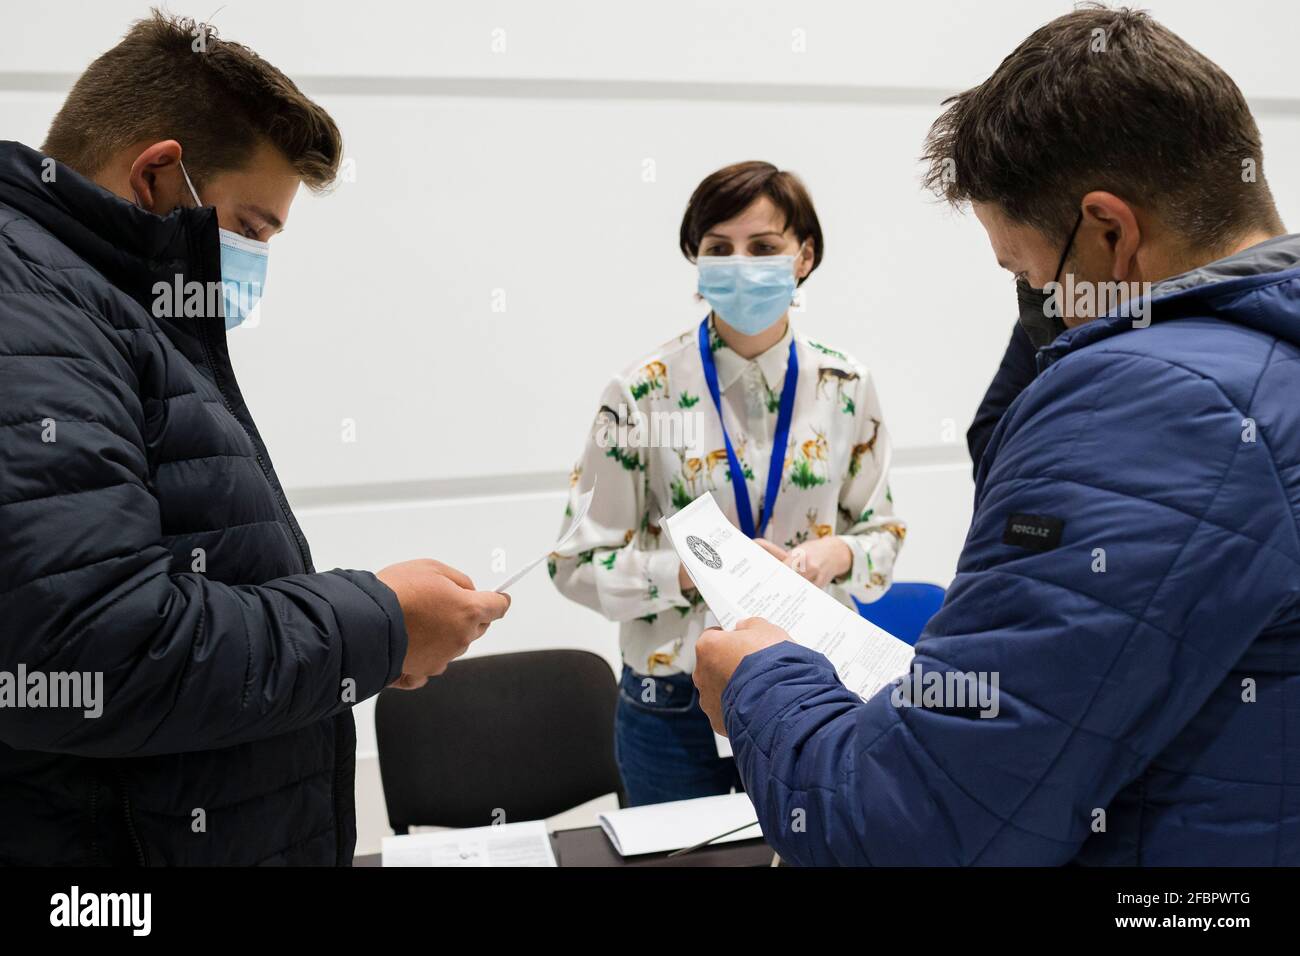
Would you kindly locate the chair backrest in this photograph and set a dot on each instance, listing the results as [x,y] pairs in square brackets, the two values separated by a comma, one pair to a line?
[905,608]
[527,735]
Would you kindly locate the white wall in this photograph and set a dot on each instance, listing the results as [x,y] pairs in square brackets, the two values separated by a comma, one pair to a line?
[524,171]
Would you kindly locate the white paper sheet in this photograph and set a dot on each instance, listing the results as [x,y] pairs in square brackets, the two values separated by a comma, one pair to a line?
[738,579]
[509,844]
[584,504]
[662,827]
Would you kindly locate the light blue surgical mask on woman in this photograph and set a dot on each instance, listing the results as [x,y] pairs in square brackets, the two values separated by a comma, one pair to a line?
[749,293]
[243,269]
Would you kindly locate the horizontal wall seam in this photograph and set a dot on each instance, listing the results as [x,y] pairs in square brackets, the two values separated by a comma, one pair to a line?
[544,483]
[558,88]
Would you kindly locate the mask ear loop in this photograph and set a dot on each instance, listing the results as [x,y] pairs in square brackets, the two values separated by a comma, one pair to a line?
[1065,253]
[195,193]
[798,278]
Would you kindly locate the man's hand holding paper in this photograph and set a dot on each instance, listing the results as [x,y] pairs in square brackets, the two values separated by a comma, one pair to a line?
[740,580]
[717,655]
[443,614]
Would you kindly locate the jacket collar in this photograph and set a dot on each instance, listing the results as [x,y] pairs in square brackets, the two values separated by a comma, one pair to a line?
[132,248]
[1217,289]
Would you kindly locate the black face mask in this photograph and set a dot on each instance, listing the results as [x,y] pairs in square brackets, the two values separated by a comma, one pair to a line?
[1041,327]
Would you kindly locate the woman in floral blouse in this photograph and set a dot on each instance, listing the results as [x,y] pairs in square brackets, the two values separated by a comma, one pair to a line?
[798,461]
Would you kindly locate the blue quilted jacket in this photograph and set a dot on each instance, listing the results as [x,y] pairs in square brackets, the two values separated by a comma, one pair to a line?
[145,538]
[1131,578]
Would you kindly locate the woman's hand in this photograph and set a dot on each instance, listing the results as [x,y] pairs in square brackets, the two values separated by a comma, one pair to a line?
[823,560]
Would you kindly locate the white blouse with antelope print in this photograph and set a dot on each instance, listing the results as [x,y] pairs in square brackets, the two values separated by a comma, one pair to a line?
[656,444]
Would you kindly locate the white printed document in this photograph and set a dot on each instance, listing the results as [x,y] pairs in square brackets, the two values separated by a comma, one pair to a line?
[663,827]
[584,505]
[508,844]
[738,579]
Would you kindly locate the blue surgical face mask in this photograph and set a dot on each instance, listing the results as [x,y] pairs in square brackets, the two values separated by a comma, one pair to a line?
[243,269]
[749,293]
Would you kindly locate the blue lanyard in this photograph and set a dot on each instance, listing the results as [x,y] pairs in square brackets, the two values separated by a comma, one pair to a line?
[779,442]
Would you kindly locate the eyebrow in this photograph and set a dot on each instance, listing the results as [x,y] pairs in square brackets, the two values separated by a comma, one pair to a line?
[271,218]
[753,235]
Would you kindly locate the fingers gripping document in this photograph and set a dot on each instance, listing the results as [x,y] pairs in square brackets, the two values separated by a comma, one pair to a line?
[737,579]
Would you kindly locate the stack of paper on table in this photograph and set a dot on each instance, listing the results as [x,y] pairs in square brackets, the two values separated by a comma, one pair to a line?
[509,844]
[663,827]
[738,579]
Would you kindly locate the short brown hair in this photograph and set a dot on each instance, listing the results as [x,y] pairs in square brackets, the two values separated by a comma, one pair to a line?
[730,191]
[1107,99]
[173,78]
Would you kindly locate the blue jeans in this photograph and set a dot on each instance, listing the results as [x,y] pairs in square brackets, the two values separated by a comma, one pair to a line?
[663,742]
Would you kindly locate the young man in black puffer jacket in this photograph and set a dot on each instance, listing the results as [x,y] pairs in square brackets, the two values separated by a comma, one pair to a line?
[176,679]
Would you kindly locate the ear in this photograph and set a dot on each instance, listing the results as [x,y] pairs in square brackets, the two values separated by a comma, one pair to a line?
[156,175]
[1114,221]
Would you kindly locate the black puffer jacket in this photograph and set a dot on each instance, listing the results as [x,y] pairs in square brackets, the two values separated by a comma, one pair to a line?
[125,447]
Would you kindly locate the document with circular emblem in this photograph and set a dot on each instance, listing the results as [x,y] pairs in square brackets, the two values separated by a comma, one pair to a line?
[737,579]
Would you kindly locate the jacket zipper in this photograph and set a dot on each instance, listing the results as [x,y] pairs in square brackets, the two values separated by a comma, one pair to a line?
[280,497]
[130,821]
[94,821]
[334,800]
[302,556]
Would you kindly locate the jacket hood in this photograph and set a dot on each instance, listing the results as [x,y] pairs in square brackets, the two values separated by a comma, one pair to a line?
[1232,289]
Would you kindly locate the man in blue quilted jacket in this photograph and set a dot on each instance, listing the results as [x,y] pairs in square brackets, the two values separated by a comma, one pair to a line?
[1130,584]
[176,677]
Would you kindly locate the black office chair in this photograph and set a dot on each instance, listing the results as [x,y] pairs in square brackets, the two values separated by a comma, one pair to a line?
[528,734]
